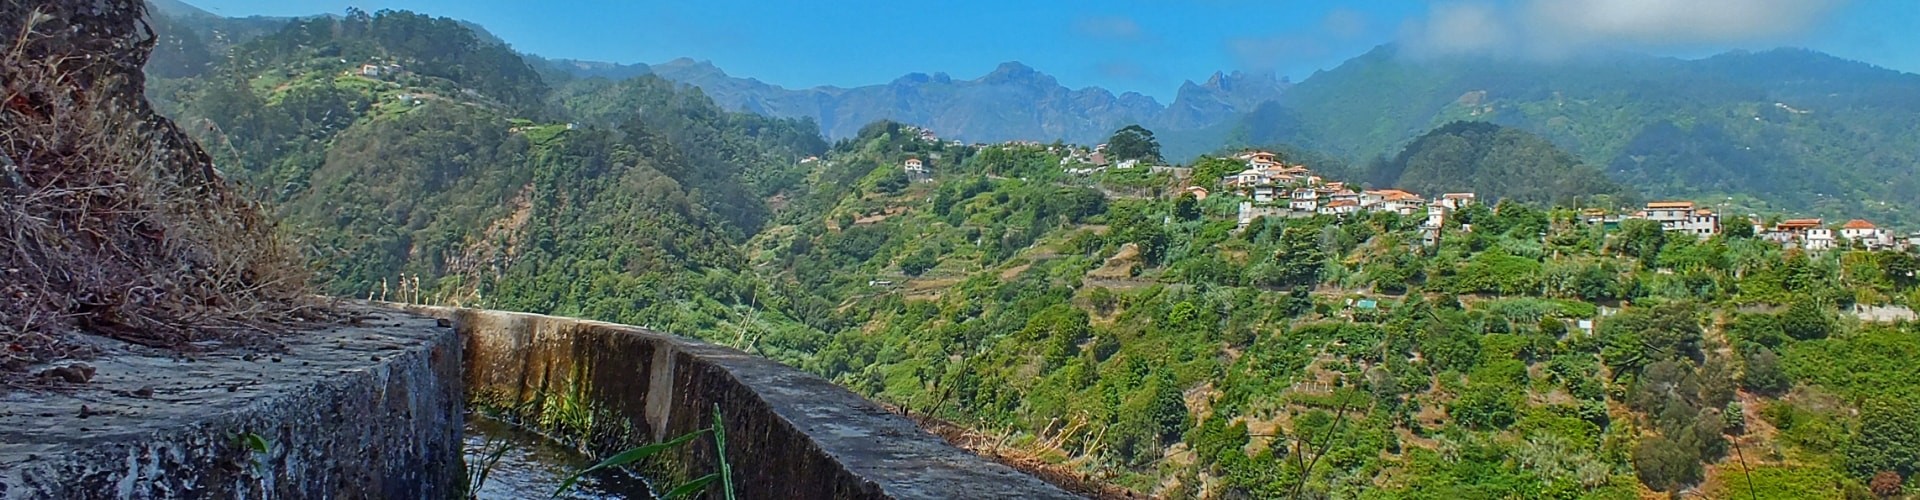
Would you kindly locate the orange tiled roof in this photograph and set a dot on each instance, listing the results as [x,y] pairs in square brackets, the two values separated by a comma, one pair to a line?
[1669,204]
[1858,224]
[1799,224]
[1343,203]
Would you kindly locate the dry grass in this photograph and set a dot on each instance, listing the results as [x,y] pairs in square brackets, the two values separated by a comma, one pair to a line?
[112,221]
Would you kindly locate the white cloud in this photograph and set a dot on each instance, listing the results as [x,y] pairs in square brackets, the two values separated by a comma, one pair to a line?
[1268,53]
[1547,28]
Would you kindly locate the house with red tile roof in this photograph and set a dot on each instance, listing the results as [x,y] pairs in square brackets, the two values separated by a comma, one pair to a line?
[1865,233]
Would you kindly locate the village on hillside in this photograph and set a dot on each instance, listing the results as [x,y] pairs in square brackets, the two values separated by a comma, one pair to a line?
[1276,189]
[1273,187]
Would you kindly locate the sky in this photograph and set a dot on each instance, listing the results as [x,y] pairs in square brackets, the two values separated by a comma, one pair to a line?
[1145,46]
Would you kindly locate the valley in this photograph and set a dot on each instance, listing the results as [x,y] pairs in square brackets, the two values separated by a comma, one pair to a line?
[1015,283]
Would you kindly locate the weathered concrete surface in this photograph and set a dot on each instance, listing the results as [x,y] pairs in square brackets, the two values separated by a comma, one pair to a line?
[789,434]
[364,411]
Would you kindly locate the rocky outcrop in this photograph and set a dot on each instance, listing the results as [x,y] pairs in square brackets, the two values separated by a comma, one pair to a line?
[116,222]
[364,411]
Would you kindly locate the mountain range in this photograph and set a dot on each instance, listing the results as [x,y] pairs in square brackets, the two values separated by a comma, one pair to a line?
[1777,131]
[1783,130]
[1013,102]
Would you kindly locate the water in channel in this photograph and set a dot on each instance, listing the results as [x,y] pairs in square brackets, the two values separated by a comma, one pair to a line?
[534,466]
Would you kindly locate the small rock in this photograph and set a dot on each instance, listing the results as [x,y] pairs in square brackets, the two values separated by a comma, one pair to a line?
[443,323]
[143,392]
[376,358]
[250,357]
[77,373]
[86,412]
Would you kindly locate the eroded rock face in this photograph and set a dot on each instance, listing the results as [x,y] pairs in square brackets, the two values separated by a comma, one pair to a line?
[115,221]
[102,46]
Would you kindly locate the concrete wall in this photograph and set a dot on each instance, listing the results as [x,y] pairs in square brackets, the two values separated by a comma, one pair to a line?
[789,434]
[364,411]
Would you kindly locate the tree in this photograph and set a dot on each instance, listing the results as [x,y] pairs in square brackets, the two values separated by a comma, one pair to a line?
[1737,227]
[1210,169]
[1889,438]
[1642,239]
[1553,327]
[1665,465]
[1885,484]
[919,262]
[1643,336]
[1764,375]
[1186,207]
[1485,405]
[1805,320]
[1133,143]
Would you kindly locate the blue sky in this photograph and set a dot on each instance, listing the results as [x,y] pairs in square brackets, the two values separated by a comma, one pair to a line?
[1146,46]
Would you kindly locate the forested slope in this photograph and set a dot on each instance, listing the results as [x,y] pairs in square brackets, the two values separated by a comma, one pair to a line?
[1101,324]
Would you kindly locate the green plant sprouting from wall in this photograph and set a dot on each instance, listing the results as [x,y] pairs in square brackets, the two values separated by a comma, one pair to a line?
[723,476]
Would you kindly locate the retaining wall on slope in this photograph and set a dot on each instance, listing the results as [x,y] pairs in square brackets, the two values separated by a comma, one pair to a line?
[789,434]
[364,411]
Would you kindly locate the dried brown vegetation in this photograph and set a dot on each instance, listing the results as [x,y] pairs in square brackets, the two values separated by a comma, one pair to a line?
[112,221]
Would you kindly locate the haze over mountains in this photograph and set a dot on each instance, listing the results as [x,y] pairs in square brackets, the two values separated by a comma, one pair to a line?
[1783,129]
[1013,102]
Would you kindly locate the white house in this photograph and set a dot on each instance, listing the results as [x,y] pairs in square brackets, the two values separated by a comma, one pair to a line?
[1819,239]
[1684,217]
[1456,201]
[1340,194]
[917,170]
[1258,159]
[1340,207]
[1249,177]
[1266,193]
[1305,200]
[1436,216]
[1394,200]
[1804,232]
[1873,237]
[1127,164]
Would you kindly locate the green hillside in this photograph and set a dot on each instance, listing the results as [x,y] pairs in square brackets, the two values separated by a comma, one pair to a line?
[1497,163]
[1102,325]
[464,170]
[1148,342]
[1783,130]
